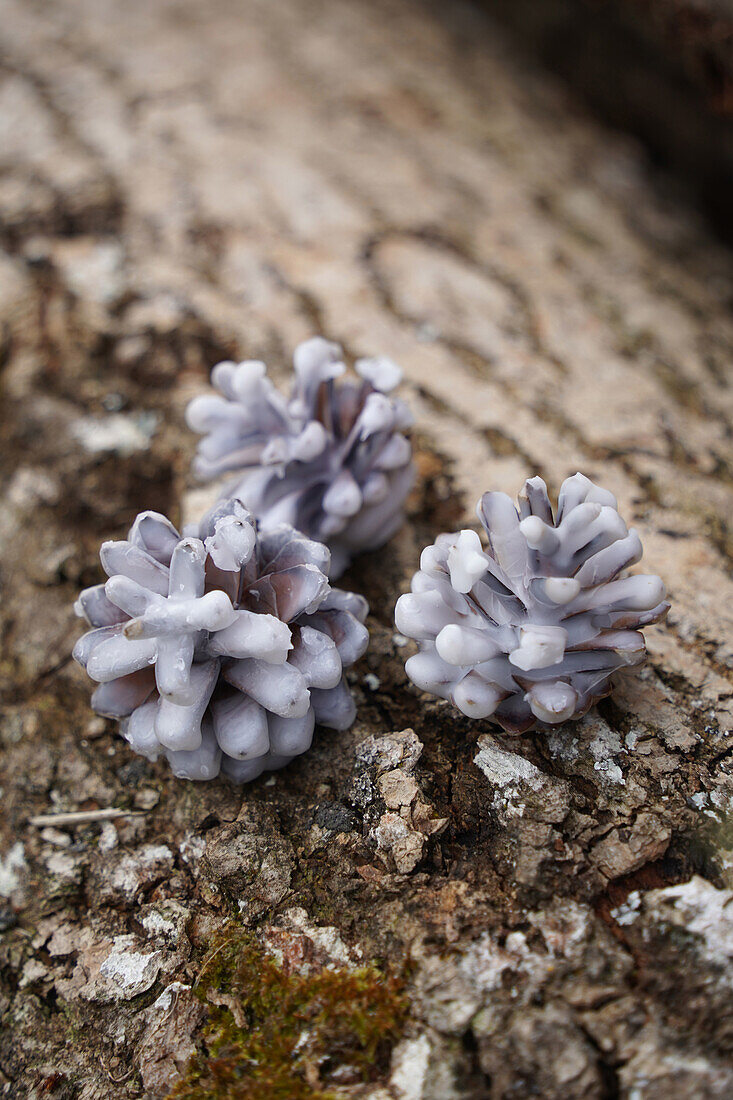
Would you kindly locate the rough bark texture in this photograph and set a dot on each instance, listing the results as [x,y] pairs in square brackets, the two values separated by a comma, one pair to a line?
[184,182]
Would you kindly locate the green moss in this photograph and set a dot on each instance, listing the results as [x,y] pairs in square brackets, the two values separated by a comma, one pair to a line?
[317,895]
[282,1034]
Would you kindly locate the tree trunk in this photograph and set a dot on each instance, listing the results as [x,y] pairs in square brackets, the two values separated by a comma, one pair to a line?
[512,917]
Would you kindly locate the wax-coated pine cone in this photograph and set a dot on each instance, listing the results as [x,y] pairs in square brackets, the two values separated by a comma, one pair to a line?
[530,630]
[332,460]
[220,650]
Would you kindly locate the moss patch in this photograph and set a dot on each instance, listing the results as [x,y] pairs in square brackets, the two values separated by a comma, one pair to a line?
[281,1034]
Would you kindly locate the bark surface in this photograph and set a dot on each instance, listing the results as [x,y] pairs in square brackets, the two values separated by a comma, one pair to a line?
[182,183]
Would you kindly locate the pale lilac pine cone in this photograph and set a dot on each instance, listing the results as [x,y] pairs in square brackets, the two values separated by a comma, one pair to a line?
[331,460]
[222,649]
[530,630]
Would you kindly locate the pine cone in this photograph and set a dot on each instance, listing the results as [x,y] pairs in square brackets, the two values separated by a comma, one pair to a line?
[331,461]
[222,649]
[530,630]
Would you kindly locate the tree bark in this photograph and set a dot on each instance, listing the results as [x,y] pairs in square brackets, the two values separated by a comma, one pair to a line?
[182,183]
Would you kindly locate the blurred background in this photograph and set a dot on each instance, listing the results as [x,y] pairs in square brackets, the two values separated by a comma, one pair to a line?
[659,69]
